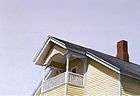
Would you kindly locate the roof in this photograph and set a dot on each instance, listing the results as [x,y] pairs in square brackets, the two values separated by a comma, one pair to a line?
[127,68]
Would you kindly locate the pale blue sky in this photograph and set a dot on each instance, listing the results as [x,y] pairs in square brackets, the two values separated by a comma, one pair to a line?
[25,24]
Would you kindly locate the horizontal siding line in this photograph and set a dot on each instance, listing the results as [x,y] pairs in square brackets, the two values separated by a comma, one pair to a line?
[54,88]
[75,85]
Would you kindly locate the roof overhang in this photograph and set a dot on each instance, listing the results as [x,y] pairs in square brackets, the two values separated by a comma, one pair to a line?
[45,46]
[61,44]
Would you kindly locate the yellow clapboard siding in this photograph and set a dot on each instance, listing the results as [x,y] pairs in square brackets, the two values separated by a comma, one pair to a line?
[75,91]
[101,81]
[59,91]
[130,86]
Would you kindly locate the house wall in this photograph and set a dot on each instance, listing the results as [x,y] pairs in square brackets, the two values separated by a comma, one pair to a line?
[130,86]
[75,91]
[101,81]
[59,91]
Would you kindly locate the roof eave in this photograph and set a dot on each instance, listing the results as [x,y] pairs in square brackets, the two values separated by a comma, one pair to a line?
[50,39]
[105,63]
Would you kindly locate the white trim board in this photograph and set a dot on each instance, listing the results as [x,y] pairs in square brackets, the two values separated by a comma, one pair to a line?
[38,54]
[110,66]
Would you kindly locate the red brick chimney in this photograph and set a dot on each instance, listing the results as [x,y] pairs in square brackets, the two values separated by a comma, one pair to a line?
[122,50]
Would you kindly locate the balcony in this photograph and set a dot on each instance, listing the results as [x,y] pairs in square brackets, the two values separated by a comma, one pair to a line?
[63,78]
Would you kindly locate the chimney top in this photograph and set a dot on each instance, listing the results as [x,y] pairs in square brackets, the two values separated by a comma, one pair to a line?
[122,50]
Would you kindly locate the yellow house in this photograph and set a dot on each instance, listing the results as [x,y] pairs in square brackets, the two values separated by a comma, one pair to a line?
[73,70]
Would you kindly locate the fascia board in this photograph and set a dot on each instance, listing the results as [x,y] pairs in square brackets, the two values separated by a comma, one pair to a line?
[105,63]
[45,45]
[58,43]
[38,54]
[37,89]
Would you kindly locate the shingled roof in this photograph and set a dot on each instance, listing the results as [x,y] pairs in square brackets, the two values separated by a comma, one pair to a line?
[126,68]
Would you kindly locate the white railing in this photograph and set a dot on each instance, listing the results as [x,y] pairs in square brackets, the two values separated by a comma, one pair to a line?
[73,79]
[53,82]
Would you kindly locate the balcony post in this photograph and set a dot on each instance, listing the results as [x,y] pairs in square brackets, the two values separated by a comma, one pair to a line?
[67,73]
[43,77]
[85,69]
[43,73]
[67,68]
